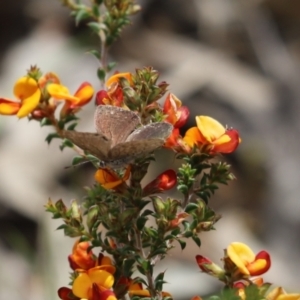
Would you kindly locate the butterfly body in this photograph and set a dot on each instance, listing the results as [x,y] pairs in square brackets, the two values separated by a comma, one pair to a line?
[118,141]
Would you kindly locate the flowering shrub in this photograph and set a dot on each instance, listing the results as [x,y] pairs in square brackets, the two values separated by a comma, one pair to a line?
[135,225]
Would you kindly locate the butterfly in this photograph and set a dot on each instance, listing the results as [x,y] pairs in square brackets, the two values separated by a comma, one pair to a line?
[120,137]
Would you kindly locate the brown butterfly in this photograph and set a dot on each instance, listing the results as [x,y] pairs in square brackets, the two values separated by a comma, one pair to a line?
[118,141]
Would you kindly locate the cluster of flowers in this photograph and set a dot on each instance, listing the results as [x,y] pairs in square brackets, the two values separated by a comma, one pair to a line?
[40,95]
[242,269]
[94,278]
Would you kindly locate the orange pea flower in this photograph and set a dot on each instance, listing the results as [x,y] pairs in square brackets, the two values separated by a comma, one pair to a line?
[81,258]
[280,294]
[110,179]
[90,282]
[114,94]
[163,182]
[27,91]
[65,293]
[81,97]
[136,289]
[115,78]
[210,132]
[246,261]
[177,114]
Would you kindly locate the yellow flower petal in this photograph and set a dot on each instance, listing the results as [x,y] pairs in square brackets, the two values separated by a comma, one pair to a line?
[25,87]
[115,78]
[240,254]
[289,297]
[192,136]
[29,104]
[61,92]
[210,128]
[279,294]
[101,277]
[81,285]
[222,140]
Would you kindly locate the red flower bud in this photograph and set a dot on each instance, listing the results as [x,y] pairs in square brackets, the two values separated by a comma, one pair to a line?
[164,181]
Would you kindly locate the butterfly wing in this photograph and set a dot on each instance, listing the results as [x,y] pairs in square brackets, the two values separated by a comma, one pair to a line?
[93,143]
[151,131]
[115,123]
[130,150]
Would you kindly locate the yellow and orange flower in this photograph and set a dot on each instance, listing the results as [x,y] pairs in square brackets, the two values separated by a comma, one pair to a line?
[176,114]
[246,261]
[280,294]
[211,133]
[27,91]
[110,179]
[114,93]
[116,77]
[136,289]
[73,103]
[81,257]
[88,281]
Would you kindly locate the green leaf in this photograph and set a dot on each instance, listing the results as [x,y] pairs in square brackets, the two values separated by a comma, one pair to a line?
[188,234]
[63,226]
[77,160]
[95,10]
[152,232]
[127,267]
[141,269]
[66,143]
[101,74]
[159,281]
[96,27]
[191,207]
[182,244]
[175,231]
[147,212]
[159,251]
[140,222]
[182,188]
[96,53]
[45,122]
[81,14]
[72,126]
[111,65]
[197,240]
[51,136]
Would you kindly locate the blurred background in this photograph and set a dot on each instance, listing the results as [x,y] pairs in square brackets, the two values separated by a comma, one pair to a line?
[237,61]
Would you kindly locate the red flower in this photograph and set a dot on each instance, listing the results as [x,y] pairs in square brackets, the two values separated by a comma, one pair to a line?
[177,114]
[65,293]
[163,182]
[208,267]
